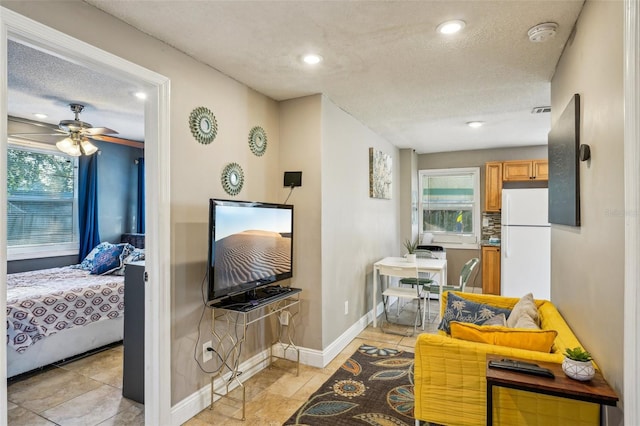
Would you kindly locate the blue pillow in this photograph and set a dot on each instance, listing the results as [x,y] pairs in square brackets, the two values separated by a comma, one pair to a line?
[87,262]
[463,310]
[107,261]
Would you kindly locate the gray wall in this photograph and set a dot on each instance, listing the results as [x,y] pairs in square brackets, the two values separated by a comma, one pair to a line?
[587,263]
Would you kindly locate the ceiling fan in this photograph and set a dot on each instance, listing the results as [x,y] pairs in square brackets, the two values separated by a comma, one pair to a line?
[79,134]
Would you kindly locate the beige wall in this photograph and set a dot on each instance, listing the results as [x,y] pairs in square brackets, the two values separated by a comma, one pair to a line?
[301,149]
[195,168]
[587,263]
[356,230]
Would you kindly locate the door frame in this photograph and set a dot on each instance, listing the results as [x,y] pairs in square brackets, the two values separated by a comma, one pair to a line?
[158,226]
[631,350]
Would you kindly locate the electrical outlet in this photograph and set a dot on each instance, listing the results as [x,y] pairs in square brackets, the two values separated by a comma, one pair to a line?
[206,355]
[284,318]
[346,307]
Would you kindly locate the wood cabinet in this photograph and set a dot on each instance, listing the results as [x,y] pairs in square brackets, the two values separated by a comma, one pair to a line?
[493,187]
[525,170]
[490,270]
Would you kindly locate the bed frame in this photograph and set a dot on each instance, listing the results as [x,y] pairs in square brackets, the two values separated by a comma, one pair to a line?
[65,344]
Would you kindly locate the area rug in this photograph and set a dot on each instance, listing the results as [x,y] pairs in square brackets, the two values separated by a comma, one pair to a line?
[373,387]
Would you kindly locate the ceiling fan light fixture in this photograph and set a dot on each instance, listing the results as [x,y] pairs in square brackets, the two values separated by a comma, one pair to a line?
[69,147]
[451,27]
[87,147]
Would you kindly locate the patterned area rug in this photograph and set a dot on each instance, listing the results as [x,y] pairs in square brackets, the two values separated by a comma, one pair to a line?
[373,387]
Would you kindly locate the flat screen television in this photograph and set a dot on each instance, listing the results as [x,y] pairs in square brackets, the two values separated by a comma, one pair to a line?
[564,170]
[250,246]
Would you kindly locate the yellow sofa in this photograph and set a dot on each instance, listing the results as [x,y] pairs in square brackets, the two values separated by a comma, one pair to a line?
[450,385]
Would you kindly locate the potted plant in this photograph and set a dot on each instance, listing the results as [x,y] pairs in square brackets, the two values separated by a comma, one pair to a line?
[577,364]
[411,246]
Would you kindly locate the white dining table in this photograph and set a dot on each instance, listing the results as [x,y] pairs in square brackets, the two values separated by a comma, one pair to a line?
[438,266]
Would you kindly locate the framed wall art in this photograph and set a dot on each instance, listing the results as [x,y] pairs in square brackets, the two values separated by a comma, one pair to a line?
[380,174]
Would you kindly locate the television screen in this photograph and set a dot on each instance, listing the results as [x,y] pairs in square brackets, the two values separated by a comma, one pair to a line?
[250,245]
[564,171]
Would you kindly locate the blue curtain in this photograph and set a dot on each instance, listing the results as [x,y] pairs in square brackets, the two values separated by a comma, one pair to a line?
[88,203]
[140,212]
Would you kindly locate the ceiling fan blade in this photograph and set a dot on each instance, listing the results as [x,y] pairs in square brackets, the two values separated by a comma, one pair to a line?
[120,141]
[99,131]
[38,134]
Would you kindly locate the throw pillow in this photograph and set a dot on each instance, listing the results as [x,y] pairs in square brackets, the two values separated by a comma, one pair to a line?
[463,310]
[107,261]
[135,256]
[532,340]
[496,320]
[87,262]
[524,314]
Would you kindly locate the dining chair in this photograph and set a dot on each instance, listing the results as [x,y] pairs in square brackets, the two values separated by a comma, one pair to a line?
[411,293]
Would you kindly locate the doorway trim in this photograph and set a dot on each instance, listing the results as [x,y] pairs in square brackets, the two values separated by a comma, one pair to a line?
[157,161]
[631,350]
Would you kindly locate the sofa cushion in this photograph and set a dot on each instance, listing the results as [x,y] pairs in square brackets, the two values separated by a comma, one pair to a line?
[463,310]
[533,340]
[499,319]
[524,314]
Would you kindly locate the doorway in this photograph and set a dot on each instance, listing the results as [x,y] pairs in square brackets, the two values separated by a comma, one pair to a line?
[157,331]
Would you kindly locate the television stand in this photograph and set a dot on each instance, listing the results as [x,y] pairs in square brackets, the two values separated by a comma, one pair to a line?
[239,312]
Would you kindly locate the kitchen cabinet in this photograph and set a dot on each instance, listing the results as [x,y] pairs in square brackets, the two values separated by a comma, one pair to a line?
[491,270]
[493,186]
[525,170]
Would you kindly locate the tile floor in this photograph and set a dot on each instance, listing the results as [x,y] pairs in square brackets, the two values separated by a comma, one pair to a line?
[85,392]
[88,392]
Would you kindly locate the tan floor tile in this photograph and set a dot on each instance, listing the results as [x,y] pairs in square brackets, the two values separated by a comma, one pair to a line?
[105,367]
[132,416]
[19,416]
[90,408]
[47,390]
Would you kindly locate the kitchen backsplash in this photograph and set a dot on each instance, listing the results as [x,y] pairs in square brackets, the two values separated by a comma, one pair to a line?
[492,222]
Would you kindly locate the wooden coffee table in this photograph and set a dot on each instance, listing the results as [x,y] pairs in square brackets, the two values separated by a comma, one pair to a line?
[596,390]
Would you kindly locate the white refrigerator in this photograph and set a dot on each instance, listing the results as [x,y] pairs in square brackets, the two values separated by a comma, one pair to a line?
[525,243]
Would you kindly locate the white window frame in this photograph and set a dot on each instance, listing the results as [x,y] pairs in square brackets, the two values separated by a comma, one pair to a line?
[461,241]
[37,251]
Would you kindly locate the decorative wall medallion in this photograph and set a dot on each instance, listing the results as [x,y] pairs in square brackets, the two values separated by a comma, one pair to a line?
[232,178]
[203,124]
[258,140]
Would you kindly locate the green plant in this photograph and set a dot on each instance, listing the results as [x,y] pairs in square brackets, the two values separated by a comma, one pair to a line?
[577,354]
[411,245]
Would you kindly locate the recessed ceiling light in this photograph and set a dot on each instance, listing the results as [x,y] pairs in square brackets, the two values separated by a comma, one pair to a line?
[312,59]
[40,115]
[475,124]
[451,27]
[140,95]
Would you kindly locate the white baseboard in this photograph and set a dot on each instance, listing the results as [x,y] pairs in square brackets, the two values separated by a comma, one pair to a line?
[199,400]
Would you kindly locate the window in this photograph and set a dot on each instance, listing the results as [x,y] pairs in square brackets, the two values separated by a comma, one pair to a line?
[42,201]
[450,204]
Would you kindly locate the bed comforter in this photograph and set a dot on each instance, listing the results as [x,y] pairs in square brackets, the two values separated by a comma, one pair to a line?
[41,303]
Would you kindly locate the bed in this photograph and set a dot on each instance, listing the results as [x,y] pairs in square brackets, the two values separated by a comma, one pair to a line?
[54,314]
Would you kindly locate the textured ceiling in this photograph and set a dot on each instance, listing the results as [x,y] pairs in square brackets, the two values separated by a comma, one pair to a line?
[384,63]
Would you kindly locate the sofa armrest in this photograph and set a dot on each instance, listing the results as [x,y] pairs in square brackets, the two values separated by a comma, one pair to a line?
[450,380]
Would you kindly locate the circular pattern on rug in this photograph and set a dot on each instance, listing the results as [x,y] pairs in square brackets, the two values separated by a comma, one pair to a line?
[349,388]
[401,400]
[232,178]
[258,140]
[203,124]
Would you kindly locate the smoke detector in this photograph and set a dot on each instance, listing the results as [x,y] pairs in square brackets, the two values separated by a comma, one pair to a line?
[542,32]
